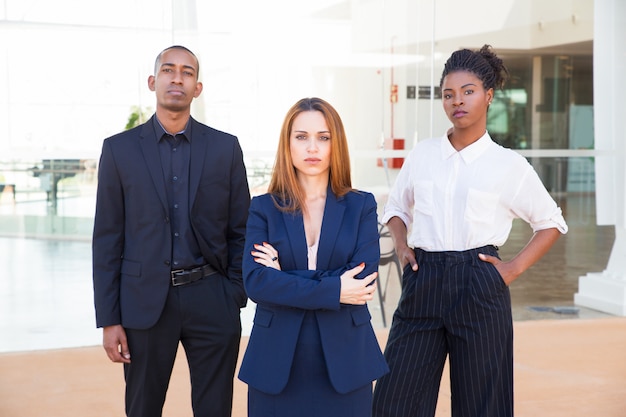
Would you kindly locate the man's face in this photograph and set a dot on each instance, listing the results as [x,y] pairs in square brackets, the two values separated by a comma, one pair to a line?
[176,80]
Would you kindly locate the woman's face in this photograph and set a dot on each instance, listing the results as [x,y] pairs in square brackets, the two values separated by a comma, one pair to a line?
[465,100]
[309,144]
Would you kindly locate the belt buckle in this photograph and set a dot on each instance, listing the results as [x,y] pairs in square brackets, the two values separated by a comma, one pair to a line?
[176,272]
[173,276]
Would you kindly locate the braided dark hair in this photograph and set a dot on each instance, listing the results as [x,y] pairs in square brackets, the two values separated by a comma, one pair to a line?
[483,63]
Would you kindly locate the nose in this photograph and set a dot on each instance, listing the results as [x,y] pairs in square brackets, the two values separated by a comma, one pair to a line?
[458,100]
[312,145]
[178,77]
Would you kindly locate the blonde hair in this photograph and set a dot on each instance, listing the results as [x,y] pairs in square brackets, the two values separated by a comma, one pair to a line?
[284,186]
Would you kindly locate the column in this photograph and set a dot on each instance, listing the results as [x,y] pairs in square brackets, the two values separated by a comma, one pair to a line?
[606,290]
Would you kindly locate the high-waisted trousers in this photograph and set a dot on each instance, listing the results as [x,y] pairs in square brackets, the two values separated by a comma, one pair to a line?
[458,307]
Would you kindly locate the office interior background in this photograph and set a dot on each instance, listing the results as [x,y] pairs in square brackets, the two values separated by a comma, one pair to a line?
[73,72]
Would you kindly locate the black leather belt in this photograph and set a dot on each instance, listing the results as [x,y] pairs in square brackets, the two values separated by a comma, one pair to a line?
[185,276]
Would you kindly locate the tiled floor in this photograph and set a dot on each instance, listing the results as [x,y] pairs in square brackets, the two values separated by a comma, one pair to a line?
[46,291]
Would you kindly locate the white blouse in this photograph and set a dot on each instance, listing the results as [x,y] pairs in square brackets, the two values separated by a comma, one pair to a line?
[457,200]
[312,254]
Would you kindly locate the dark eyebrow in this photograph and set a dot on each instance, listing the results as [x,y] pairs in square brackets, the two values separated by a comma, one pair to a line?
[168,64]
[304,131]
[463,86]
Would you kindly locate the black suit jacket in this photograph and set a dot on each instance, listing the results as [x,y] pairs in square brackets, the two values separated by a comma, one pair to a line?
[132,241]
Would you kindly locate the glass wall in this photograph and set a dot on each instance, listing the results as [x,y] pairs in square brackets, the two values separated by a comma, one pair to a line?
[75,72]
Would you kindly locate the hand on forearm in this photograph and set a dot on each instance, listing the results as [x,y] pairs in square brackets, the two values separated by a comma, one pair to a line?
[354,290]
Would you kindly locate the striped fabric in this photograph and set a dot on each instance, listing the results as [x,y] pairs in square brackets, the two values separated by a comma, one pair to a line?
[456,305]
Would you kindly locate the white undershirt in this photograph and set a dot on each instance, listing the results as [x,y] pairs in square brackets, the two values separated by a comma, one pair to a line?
[312,255]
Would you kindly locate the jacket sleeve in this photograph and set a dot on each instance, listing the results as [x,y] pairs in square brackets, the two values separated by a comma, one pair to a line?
[239,203]
[306,289]
[301,289]
[108,241]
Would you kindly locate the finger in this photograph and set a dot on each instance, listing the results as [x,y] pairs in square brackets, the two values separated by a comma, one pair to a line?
[270,249]
[411,258]
[360,267]
[124,350]
[488,258]
[369,295]
[267,258]
[110,354]
[267,250]
[262,261]
[370,278]
[262,250]
[113,354]
[260,255]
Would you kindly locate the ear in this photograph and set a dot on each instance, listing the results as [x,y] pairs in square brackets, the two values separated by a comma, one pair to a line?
[198,89]
[489,95]
[151,81]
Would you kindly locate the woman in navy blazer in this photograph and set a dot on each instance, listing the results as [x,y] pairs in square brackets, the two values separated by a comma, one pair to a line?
[310,259]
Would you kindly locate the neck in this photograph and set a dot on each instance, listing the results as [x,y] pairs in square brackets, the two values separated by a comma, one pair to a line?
[463,137]
[314,186]
[173,122]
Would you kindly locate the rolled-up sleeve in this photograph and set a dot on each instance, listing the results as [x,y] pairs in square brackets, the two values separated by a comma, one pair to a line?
[536,206]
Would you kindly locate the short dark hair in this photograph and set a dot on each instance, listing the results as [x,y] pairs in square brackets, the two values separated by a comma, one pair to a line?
[183,48]
[483,63]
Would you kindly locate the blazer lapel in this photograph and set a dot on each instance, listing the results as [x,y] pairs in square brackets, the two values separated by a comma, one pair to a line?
[149,147]
[199,144]
[294,224]
[331,224]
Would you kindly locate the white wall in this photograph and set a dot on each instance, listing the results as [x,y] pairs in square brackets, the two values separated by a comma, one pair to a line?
[254,65]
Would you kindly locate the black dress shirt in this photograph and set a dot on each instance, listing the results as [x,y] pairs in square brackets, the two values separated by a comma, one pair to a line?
[175,151]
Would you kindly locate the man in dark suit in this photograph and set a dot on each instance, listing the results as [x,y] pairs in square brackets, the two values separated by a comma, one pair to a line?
[169,231]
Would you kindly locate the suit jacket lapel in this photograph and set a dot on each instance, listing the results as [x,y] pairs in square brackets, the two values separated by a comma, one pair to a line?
[331,224]
[199,144]
[294,224]
[149,147]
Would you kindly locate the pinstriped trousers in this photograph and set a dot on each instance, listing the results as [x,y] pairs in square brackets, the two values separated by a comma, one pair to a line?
[456,305]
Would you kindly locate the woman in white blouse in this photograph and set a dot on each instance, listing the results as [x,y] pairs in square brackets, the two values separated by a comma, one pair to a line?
[458,195]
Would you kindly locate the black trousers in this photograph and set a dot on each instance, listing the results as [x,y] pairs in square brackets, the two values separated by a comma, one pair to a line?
[204,318]
[456,305]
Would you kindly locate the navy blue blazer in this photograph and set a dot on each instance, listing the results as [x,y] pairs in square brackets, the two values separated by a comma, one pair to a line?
[349,236]
[132,238]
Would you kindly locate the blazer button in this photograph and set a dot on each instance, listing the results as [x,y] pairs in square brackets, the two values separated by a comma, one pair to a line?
[166,263]
[167,220]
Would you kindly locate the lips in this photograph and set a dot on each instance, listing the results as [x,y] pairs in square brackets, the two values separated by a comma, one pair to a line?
[459,113]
